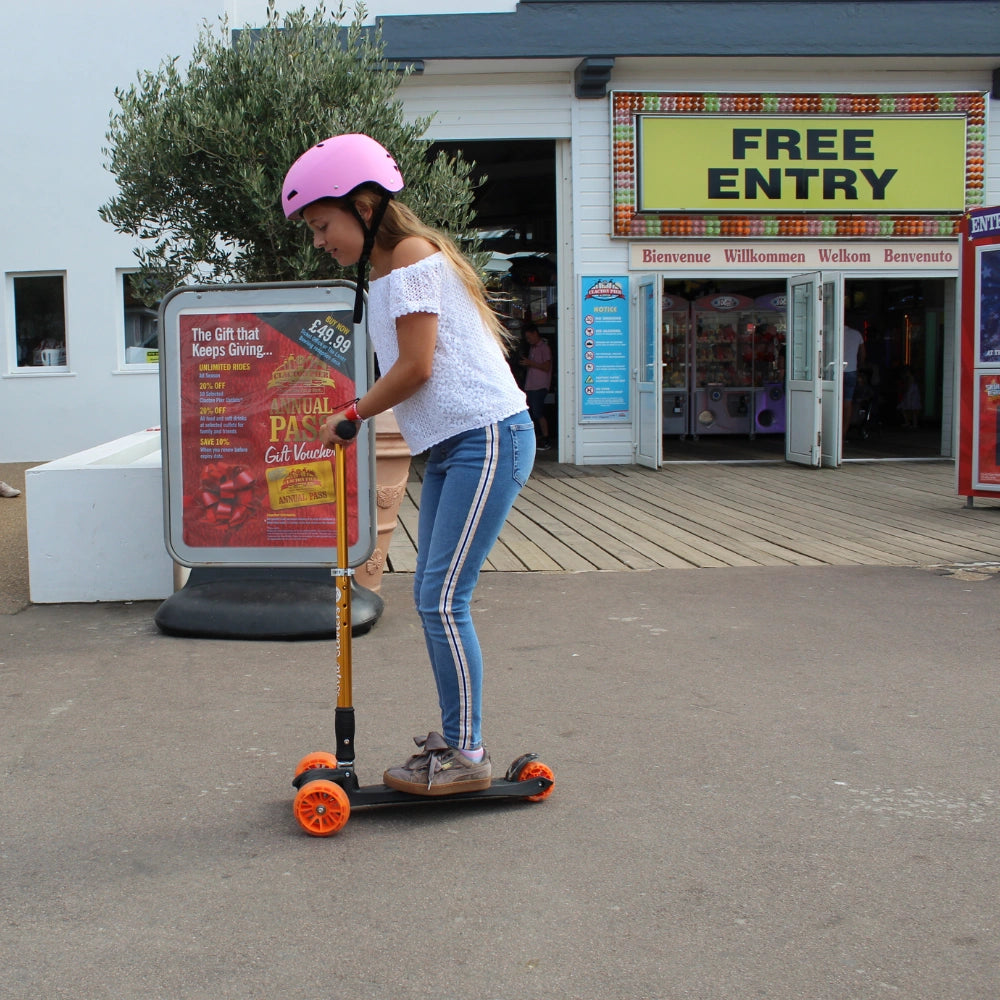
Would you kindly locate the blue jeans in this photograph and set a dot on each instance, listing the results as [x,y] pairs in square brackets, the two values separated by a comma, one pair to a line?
[536,402]
[470,484]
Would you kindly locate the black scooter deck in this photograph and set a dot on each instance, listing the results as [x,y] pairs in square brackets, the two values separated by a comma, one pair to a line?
[361,796]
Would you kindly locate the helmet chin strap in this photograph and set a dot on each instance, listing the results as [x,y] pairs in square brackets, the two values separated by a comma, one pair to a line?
[366,252]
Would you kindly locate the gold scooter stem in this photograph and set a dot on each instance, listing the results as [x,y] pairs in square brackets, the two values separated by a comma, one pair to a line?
[343,573]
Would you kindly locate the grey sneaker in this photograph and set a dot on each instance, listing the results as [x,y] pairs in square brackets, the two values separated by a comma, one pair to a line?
[8,491]
[439,770]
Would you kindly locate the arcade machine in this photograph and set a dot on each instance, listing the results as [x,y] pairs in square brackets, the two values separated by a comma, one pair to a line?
[723,379]
[769,369]
[676,330]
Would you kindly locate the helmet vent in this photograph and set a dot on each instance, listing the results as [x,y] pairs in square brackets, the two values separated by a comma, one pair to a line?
[290,195]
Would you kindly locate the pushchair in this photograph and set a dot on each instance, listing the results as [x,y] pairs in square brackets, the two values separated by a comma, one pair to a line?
[864,418]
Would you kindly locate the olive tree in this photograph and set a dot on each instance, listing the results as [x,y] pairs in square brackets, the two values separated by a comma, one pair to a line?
[200,152]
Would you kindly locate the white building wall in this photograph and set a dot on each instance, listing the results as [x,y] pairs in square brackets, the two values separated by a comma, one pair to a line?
[595,254]
[60,62]
[512,105]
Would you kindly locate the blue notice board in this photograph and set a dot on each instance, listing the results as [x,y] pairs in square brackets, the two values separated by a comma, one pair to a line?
[604,338]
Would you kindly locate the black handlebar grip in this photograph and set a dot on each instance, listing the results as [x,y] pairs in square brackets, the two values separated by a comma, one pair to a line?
[347,429]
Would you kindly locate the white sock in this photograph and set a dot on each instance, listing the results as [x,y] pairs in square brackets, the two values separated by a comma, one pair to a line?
[474,755]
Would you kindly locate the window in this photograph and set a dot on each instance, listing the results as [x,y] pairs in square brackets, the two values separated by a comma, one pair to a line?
[40,320]
[142,337]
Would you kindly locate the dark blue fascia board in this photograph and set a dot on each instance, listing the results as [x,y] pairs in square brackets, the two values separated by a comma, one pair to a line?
[553,29]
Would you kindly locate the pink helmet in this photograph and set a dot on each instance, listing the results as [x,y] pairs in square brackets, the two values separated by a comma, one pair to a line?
[334,168]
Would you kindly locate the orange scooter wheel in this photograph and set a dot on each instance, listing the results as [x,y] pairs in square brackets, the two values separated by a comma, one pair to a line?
[536,769]
[321,808]
[319,758]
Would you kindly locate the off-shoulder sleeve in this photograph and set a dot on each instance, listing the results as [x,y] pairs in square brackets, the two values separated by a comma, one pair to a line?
[417,288]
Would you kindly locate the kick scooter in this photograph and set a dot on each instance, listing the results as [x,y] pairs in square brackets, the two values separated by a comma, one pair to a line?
[327,784]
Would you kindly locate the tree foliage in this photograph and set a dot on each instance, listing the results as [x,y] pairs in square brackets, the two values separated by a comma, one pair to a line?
[200,153]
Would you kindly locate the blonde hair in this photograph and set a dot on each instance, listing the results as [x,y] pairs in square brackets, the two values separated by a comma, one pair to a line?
[399,222]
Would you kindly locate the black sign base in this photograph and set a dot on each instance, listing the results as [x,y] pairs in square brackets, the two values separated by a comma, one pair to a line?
[263,603]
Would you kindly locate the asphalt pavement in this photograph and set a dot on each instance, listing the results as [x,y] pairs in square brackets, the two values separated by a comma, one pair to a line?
[770,783]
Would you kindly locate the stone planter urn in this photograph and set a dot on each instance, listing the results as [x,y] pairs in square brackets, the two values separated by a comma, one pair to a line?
[392,469]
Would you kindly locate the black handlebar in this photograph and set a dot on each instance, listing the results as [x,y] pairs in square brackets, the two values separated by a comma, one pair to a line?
[347,429]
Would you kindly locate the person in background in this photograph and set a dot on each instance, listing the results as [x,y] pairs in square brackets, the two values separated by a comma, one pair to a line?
[537,381]
[909,400]
[444,373]
[854,358]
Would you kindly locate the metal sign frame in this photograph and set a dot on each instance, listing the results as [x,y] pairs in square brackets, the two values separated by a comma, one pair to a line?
[248,375]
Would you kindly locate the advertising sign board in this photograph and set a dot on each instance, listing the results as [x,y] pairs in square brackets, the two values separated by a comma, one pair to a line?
[249,374]
[979,403]
[604,339]
[775,163]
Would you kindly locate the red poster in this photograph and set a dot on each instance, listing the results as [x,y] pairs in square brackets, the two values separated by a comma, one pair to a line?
[987,457]
[255,390]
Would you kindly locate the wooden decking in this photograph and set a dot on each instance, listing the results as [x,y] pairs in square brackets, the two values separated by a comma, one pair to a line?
[578,519]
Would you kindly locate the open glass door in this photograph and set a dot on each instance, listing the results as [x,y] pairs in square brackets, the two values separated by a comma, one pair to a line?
[649,398]
[833,369]
[804,366]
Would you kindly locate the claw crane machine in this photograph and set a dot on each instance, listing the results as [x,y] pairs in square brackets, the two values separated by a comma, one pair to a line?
[676,332]
[723,368]
[769,369]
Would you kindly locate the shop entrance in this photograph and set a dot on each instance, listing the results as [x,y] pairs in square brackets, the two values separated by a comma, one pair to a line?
[725,378]
[515,206]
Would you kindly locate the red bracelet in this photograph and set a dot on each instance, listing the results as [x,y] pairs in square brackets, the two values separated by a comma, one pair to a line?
[351,413]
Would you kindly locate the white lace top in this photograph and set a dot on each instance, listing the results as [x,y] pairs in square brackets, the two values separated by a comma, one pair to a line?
[471,384]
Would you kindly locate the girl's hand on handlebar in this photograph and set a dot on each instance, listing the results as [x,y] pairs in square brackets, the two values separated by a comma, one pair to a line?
[337,430]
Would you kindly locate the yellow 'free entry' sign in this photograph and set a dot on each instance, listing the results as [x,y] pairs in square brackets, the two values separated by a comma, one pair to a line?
[809,163]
